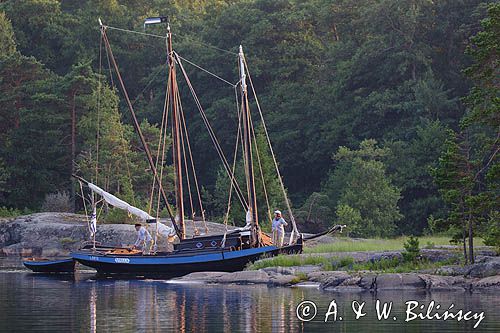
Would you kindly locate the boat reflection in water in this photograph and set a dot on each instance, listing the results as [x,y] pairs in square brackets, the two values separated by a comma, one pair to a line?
[84,302]
[158,306]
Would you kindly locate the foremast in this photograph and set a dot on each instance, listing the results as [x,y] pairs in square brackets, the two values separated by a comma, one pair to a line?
[252,213]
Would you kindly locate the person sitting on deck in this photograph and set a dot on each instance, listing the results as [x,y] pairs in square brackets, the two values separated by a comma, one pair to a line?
[144,239]
[278,229]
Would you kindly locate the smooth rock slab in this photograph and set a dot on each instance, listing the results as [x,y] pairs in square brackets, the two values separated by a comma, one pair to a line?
[489,267]
[328,279]
[398,281]
[444,283]
[491,282]
[243,277]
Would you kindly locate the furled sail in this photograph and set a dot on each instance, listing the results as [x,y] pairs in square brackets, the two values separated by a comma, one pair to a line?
[118,203]
[163,230]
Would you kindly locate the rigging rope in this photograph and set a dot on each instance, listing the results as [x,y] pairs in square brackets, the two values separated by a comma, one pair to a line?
[164,122]
[207,71]
[214,139]
[98,112]
[109,63]
[162,138]
[207,45]
[165,37]
[235,155]
[261,173]
[139,132]
[182,144]
[161,174]
[147,85]
[134,32]
[287,201]
[186,133]
[84,204]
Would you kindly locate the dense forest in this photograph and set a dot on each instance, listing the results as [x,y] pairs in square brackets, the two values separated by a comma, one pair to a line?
[383,114]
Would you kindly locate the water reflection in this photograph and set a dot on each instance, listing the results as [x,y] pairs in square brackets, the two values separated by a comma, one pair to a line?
[93,309]
[32,302]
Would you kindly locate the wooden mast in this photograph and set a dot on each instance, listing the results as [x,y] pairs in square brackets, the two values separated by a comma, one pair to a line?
[247,143]
[176,136]
[138,128]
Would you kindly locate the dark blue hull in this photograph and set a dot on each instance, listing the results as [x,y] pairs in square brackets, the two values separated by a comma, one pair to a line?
[178,264]
[51,266]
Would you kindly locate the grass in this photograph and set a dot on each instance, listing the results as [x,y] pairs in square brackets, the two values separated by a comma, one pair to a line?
[342,244]
[393,265]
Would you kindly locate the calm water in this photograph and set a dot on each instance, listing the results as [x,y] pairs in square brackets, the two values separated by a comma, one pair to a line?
[32,302]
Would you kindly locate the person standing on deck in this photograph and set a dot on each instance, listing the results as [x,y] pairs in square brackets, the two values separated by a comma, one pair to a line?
[144,239]
[278,228]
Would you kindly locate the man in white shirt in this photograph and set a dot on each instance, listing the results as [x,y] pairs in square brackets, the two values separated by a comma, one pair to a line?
[278,229]
[144,239]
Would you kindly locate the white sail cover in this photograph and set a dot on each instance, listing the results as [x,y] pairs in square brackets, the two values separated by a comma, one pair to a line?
[118,203]
[163,230]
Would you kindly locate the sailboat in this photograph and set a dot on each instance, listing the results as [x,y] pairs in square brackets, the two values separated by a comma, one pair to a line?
[231,251]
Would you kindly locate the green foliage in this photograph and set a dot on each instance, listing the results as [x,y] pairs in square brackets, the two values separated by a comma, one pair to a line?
[394,265]
[268,177]
[349,216]
[412,250]
[32,132]
[468,172]
[328,74]
[491,232]
[7,40]
[361,191]
[342,244]
[292,260]
[299,277]
[315,214]
[409,166]
[384,264]
[11,212]
[113,148]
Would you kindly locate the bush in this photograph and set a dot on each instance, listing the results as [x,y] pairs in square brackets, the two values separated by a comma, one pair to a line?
[9,212]
[492,233]
[57,202]
[412,250]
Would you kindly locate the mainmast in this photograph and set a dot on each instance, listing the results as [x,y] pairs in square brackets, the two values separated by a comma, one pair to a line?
[176,136]
[247,144]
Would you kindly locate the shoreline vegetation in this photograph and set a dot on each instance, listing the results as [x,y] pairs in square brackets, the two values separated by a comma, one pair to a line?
[379,255]
[344,244]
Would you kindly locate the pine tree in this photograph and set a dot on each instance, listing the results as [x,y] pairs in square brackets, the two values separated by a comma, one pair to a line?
[469,171]
[7,40]
[105,158]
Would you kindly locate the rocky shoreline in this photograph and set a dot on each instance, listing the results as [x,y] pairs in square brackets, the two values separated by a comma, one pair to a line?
[341,281]
[484,275]
[56,234]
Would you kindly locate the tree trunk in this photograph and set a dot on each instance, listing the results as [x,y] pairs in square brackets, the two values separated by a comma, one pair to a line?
[73,152]
[471,241]
[464,234]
